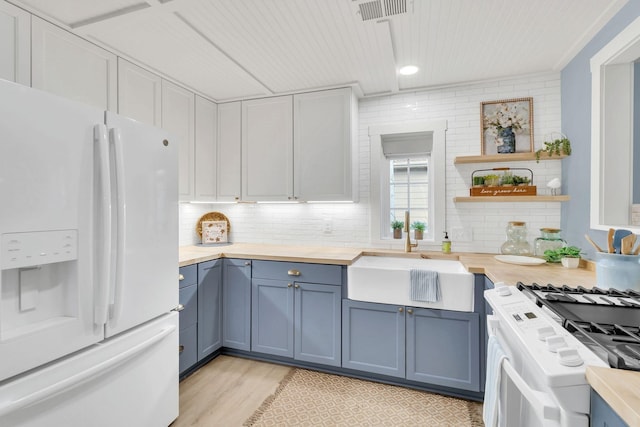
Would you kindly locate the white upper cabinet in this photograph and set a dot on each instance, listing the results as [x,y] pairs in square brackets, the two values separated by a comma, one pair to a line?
[178,119]
[205,150]
[69,66]
[229,160]
[15,44]
[324,122]
[267,149]
[139,93]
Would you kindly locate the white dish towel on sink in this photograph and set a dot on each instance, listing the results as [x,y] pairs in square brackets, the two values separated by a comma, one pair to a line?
[425,285]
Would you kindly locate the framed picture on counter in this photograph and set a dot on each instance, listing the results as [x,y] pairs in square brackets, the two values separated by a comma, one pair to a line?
[214,232]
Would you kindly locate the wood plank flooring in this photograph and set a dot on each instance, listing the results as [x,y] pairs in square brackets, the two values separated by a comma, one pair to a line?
[226,391]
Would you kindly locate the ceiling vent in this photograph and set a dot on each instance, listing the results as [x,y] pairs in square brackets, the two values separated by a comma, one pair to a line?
[373,10]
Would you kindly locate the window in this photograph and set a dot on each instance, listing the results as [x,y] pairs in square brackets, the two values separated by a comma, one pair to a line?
[407,174]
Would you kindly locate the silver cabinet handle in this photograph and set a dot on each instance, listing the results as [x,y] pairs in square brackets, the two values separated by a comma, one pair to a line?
[181,277]
[247,263]
[296,286]
[179,308]
[400,310]
[410,311]
[289,285]
[293,272]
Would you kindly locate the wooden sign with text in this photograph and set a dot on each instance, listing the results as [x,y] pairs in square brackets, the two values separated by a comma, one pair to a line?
[520,190]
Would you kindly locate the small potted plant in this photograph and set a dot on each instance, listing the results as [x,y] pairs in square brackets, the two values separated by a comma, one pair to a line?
[478,181]
[569,256]
[521,180]
[397,228]
[492,180]
[507,180]
[557,146]
[418,229]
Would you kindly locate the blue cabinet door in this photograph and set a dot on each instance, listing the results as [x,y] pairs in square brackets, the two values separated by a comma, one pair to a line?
[209,307]
[373,337]
[272,317]
[236,304]
[317,325]
[602,415]
[443,348]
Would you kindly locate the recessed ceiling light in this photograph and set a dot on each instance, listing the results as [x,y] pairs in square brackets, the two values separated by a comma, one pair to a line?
[408,70]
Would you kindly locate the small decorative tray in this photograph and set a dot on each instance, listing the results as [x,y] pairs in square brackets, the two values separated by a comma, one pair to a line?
[212,216]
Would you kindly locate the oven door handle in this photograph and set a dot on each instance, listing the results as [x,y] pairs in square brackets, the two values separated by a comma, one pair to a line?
[541,403]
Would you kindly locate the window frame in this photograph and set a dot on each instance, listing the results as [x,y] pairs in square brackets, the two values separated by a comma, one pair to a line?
[379,179]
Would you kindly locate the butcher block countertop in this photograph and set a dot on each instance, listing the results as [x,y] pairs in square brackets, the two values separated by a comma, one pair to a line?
[619,388]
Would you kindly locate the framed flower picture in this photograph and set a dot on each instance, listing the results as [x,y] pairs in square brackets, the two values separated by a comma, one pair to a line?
[507,126]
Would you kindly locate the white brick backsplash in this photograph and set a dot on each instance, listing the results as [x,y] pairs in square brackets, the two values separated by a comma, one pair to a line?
[460,105]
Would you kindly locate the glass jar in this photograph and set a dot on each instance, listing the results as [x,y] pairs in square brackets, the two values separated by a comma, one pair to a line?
[516,243]
[549,240]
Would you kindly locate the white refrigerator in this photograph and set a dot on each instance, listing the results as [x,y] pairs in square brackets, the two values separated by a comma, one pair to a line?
[88,266]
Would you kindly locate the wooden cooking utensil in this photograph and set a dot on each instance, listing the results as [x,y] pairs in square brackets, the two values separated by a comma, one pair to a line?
[627,243]
[617,239]
[594,244]
[610,240]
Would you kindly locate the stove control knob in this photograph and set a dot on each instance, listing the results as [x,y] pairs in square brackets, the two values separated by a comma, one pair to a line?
[502,289]
[569,357]
[545,332]
[555,342]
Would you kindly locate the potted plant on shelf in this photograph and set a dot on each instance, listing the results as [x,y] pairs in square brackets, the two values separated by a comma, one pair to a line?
[569,256]
[478,181]
[507,180]
[521,180]
[397,228]
[492,180]
[418,229]
[557,146]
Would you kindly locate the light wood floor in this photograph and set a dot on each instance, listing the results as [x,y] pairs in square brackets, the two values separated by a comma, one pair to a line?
[226,391]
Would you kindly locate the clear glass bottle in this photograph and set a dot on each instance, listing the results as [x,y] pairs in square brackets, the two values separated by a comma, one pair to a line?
[549,240]
[516,243]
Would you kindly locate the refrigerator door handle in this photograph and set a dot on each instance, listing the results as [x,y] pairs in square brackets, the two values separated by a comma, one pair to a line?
[85,375]
[115,137]
[101,303]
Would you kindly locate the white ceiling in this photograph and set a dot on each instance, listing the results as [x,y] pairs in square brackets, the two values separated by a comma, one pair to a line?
[232,49]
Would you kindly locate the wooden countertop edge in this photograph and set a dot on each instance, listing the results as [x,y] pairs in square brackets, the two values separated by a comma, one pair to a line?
[620,389]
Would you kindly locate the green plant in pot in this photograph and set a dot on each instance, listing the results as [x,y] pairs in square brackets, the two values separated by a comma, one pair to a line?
[569,256]
[521,180]
[478,181]
[418,229]
[492,180]
[397,228]
[507,179]
[558,146]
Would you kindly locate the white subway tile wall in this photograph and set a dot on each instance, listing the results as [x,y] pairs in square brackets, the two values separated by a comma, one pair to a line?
[348,224]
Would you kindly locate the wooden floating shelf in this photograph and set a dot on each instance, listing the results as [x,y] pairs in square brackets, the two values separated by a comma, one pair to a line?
[513,157]
[512,199]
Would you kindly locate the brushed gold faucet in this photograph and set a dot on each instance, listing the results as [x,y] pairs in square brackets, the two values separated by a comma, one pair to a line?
[407,243]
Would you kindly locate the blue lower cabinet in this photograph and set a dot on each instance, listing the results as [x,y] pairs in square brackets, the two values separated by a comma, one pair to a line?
[373,338]
[295,311]
[188,317]
[236,304]
[443,348]
[317,323]
[209,307]
[188,346]
[437,347]
[602,415]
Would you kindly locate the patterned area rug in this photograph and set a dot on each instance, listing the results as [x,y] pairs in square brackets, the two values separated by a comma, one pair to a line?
[309,398]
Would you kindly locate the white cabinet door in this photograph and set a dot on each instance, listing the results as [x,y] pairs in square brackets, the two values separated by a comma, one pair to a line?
[323,145]
[228,166]
[267,149]
[205,150]
[178,119]
[139,93]
[69,66]
[15,44]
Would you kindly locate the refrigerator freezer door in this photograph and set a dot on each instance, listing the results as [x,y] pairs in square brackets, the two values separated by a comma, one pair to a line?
[144,168]
[47,228]
[130,380]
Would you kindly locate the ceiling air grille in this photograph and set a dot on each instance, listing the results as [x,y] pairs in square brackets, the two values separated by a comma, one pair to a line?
[379,9]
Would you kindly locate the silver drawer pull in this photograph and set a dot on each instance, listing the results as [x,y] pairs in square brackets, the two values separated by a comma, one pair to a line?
[293,272]
[181,277]
[179,308]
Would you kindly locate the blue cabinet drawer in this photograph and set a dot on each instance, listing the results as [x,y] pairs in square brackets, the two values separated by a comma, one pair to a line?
[297,272]
[188,297]
[188,347]
[188,275]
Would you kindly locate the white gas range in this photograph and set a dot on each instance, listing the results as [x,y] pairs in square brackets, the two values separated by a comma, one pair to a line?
[535,366]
